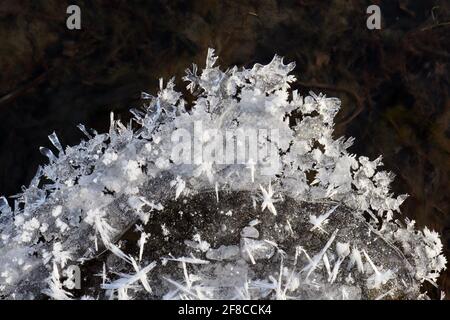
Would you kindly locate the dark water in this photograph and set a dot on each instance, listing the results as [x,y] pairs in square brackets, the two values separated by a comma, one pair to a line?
[393,82]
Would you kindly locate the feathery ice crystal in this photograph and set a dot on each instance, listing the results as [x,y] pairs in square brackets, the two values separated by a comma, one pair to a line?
[140,223]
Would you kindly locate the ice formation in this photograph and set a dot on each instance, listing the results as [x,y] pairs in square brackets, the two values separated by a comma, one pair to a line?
[142,220]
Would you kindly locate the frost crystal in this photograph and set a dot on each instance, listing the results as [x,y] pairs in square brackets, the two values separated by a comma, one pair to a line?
[173,205]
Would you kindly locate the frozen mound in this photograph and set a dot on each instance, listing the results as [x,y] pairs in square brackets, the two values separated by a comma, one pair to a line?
[243,194]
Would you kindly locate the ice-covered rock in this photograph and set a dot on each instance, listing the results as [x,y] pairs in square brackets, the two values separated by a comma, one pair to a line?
[160,208]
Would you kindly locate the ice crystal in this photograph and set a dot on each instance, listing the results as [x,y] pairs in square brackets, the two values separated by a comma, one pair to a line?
[312,242]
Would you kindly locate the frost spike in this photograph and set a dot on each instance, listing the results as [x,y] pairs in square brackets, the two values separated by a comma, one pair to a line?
[5,209]
[316,259]
[49,154]
[217,192]
[55,141]
[83,129]
[211,58]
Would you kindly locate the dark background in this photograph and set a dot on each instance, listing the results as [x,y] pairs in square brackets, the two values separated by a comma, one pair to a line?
[393,82]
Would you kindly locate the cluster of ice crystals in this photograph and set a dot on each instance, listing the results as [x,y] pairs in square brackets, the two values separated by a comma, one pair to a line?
[82,201]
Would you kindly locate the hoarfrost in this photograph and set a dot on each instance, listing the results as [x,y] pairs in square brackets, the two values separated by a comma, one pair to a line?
[81,207]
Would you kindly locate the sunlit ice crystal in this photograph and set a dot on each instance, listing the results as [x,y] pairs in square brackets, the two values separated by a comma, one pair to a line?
[213,200]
